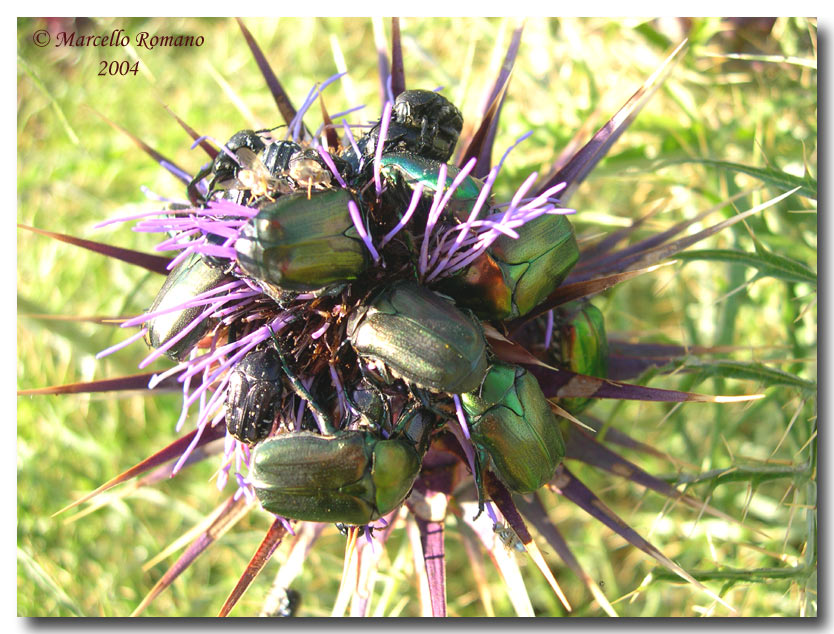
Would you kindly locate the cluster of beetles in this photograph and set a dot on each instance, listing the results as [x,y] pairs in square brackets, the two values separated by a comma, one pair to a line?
[407,357]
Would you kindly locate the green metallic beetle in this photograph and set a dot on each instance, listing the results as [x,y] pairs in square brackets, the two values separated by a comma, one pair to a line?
[514,275]
[404,170]
[302,244]
[191,277]
[351,477]
[583,346]
[422,337]
[513,429]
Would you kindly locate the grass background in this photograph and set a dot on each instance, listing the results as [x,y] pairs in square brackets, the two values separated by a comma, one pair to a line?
[74,170]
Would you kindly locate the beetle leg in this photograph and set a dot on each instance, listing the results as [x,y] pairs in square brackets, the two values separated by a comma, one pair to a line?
[321,416]
[427,403]
[194,195]
[405,416]
[481,460]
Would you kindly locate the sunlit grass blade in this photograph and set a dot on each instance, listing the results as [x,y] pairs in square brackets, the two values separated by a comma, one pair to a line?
[805,185]
[747,473]
[765,376]
[350,574]
[231,94]
[581,446]
[767,264]
[56,107]
[536,514]
[28,566]
[212,529]
[154,263]
[581,164]
[207,148]
[569,486]
[163,161]
[480,145]
[371,557]
[776,59]
[476,567]
[665,251]
[173,450]
[504,560]
[267,547]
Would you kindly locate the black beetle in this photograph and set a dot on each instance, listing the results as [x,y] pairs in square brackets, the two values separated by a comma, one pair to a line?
[225,167]
[255,390]
[422,122]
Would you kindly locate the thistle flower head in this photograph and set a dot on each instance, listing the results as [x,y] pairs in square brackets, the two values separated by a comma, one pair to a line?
[365,333]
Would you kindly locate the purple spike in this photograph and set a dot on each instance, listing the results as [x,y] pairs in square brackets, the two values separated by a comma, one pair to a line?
[434,215]
[461,416]
[328,160]
[170,342]
[491,512]
[434,557]
[397,67]
[382,59]
[383,134]
[122,344]
[315,91]
[352,141]
[344,113]
[360,228]
[281,100]
[201,299]
[548,334]
[415,198]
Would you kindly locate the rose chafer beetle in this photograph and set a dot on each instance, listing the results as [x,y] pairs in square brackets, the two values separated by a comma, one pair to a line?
[300,244]
[191,277]
[583,346]
[513,429]
[404,171]
[351,477]
[513,276]
[421,337]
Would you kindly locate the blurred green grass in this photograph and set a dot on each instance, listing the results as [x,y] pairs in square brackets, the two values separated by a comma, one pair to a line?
[74,170]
